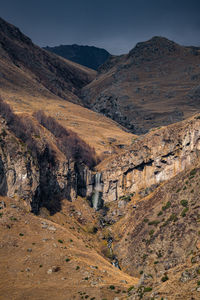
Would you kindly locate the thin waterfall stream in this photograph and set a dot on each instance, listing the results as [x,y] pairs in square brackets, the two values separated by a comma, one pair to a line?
[115,261]
[97,202]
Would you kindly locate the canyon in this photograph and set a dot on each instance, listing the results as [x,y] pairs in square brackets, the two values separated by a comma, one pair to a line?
[152,159]
[88,209]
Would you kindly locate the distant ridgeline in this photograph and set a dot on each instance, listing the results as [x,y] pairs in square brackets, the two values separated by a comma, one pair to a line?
[89,56]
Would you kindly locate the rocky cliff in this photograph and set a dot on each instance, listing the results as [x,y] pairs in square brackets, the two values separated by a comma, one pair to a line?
[35,167]
[152,159]
[37,171]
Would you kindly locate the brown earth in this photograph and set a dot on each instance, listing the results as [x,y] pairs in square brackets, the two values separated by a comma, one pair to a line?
[65,254]
[158,239]
[155,84]
[27,66]
[41,259]
[32,79]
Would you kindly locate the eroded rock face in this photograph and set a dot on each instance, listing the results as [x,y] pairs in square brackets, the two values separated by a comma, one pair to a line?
[37,180]
[18,172]
[154,158]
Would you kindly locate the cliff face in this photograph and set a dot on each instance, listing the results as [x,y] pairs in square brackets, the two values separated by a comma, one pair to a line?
[42,181]
[158,239]
[38,180]
[18,171]
[153,158]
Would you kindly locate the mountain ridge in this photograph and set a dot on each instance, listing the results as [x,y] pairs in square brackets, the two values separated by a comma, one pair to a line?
[58,76]
[88,56]
[75,229]
[155,84]
[32,79]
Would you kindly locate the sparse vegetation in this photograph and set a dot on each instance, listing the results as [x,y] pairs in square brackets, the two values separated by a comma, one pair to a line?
[144,256]
[184,203]
[151,232]
[24,128]
[184,211]
[130,288]
[155,222]
[159,254]
[127,197]
[68,141]
[142,290]
[67,259]
[193,172]
[147,289]
[166,206]
[112,287]
[165,278]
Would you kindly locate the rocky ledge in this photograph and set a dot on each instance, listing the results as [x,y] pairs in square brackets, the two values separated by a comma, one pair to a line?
[152,159]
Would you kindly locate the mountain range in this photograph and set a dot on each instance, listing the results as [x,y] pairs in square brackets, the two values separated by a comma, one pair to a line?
[99,172]
[155,84]
[88,56]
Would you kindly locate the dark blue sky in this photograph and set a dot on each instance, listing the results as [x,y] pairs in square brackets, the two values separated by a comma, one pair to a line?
[116,25]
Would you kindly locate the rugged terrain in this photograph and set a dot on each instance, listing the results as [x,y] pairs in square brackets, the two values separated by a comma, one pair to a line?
[88,210]
[41,259]
[88,56]
[25,65]
[155,84]
[70,251]
[32,79]
[158,240]
[152,159]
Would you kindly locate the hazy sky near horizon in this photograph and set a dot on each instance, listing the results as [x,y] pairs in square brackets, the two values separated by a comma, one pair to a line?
[116,25]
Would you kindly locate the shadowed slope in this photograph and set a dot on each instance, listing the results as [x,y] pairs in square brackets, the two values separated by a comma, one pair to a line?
[89,56]
[155,84]
[24,65]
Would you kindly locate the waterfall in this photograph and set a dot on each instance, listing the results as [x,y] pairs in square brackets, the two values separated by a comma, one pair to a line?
[97,192]
[115,261]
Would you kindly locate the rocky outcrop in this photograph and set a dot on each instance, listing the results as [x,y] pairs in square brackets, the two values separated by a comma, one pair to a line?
[44,180]
[152,159]
[38,180]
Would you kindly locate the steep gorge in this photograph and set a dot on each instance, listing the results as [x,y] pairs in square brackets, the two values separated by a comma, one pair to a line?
[153,158]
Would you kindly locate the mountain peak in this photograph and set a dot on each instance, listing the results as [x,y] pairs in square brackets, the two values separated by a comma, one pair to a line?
[157,46]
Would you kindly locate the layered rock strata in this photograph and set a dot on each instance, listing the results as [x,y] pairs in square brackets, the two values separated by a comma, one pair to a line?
[152,159]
